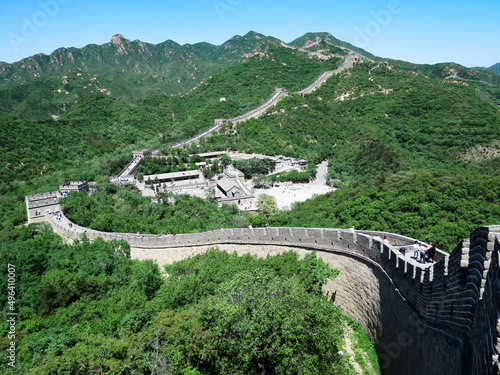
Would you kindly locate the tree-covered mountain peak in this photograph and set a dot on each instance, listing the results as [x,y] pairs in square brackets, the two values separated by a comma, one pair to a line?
[494,68]
[251,41]
[138,66]
[250,35]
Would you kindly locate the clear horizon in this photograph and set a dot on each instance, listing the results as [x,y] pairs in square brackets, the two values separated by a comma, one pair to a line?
[420,32]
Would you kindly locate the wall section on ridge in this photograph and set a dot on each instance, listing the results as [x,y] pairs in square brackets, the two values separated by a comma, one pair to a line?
[364,292]
[443,319]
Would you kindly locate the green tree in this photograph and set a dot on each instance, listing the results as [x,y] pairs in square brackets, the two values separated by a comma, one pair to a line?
[210,191]
[196,158]
[225,160]
[262,323]
[216,167]
[146,277]
[261,181]
[267,206]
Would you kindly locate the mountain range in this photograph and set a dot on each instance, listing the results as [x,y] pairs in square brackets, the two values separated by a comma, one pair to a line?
[165,67]
[48,85]
[78,113]
[494,68]
[169,64]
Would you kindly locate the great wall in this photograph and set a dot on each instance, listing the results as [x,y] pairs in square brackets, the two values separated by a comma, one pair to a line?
[440,319]
[275,98]
[254,113]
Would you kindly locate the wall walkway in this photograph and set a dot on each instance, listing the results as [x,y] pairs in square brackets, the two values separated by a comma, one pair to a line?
[272,101]
[442,319]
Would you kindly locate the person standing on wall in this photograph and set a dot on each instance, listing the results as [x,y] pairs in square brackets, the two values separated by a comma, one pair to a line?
[416,250]
[385,240]
[431,252]
[422,253]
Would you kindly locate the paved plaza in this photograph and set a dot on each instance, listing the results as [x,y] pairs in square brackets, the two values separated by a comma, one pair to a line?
[287,193]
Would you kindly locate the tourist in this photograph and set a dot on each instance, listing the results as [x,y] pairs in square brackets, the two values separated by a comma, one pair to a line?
[422,253]
[385,240]
[431,252]
[416,250]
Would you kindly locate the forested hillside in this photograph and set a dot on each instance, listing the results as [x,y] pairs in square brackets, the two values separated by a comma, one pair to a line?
[373,121]
[378,125]
[495,68]
[99,124]
[412,149]
[130,70]
[88,308]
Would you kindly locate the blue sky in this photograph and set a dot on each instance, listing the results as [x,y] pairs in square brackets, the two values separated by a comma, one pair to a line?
[420,31]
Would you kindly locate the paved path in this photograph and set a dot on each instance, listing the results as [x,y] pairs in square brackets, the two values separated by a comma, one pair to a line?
[64,222]
[287,193]
[408,256]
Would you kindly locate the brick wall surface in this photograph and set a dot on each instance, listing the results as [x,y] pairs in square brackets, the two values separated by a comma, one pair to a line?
[444,319]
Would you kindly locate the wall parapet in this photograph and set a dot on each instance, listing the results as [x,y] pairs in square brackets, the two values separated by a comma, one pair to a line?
[458,296]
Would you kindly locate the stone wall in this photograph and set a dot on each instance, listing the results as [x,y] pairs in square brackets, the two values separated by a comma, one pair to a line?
[254,113]
[484,274]
[365,292]
[323,77]
[443,319]
[279,93]
[38,205]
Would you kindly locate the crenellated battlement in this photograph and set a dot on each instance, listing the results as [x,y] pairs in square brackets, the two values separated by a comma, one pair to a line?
[38,205]
[454,302]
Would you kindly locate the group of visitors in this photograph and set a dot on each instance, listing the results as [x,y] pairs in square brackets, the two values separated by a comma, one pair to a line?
[119,180]
[139,235]
[423,253]
[58,215]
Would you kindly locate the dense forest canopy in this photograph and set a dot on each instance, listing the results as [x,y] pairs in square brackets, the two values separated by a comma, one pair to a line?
[88,307]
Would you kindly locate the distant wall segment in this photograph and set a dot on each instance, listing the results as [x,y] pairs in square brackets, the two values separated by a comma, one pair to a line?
[444,319]
[272,101]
